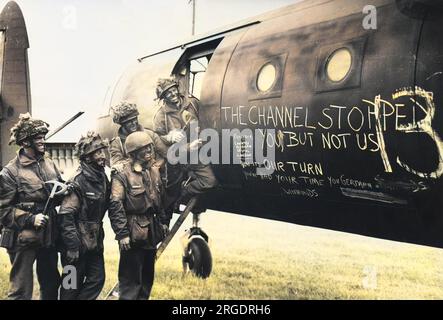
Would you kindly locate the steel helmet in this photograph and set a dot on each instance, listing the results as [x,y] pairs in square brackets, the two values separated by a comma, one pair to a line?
[164,85]
[27,127]
[123,112]
[137,140]
[89,144]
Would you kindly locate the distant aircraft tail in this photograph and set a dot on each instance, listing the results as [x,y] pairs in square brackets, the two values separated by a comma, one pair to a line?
[15,92]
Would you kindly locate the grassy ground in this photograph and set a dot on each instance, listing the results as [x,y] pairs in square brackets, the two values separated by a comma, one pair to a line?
[262,259]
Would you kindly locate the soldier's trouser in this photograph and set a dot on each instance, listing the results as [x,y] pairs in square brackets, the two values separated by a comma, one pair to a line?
[136,273]
[21,277]
[90,269]
[203,179]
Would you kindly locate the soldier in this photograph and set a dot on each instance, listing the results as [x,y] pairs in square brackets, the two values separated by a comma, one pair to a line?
[30,230]
[80,220]
[134,211]
[126,115]
[170,125]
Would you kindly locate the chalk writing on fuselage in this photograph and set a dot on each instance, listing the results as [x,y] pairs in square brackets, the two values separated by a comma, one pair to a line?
[289,166]
[337,127]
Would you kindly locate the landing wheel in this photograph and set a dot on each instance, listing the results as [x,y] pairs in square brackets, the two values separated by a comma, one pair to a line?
[198,258]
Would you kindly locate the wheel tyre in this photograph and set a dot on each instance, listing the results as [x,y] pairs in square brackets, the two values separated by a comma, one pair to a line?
[199,258]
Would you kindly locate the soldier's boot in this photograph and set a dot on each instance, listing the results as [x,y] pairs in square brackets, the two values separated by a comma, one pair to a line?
[184,198]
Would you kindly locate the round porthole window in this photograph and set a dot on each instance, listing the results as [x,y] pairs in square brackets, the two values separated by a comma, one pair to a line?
[339,64]
[266,77]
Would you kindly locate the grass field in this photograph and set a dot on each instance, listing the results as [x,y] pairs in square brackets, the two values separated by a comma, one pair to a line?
[262,259]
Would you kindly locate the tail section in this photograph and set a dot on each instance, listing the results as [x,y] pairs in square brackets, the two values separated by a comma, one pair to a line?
[15,93]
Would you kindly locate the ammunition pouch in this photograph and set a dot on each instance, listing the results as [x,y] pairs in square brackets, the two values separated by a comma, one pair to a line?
[146,229]
[32,207]
[136,201]
[90,235]
[7,238]
[31,237]
[139,229]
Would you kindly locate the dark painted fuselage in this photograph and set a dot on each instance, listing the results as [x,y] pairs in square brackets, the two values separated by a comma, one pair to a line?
[362,154]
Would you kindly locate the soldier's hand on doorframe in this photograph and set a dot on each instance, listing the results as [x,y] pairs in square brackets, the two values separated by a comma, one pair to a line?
[124,244]
[40,220]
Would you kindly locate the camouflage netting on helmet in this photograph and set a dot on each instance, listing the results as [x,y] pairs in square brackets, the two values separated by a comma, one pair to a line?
[26,128]
[164,85]
[123,112]
[89,144]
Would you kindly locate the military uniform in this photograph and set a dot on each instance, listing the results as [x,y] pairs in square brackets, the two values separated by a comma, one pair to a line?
[24,194]
[167,119]
[135,201]
[81,227]
[117,147]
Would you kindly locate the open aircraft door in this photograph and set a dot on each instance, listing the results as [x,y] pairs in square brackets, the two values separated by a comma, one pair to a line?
[196,64]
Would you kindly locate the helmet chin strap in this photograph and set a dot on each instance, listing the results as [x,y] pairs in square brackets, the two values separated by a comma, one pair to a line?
[89,161]
[96,166]
[31,150]
[175,105]
[142,162]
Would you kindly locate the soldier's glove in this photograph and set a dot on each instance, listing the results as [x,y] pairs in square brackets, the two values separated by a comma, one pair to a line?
[72,256]
[124,244]
[175,136]
[165,229]
[195,145]
[70,189]
[40,220]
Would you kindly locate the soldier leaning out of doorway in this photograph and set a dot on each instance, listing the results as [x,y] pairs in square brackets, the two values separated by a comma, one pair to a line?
[172,124]
[81,220]
[135,211]
[29,231]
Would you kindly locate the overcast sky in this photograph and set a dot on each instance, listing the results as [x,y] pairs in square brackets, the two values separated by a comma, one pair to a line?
[79,48]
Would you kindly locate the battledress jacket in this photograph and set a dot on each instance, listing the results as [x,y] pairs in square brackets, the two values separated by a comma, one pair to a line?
[81,213]
[23,193]
[169,118]
[135,197]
